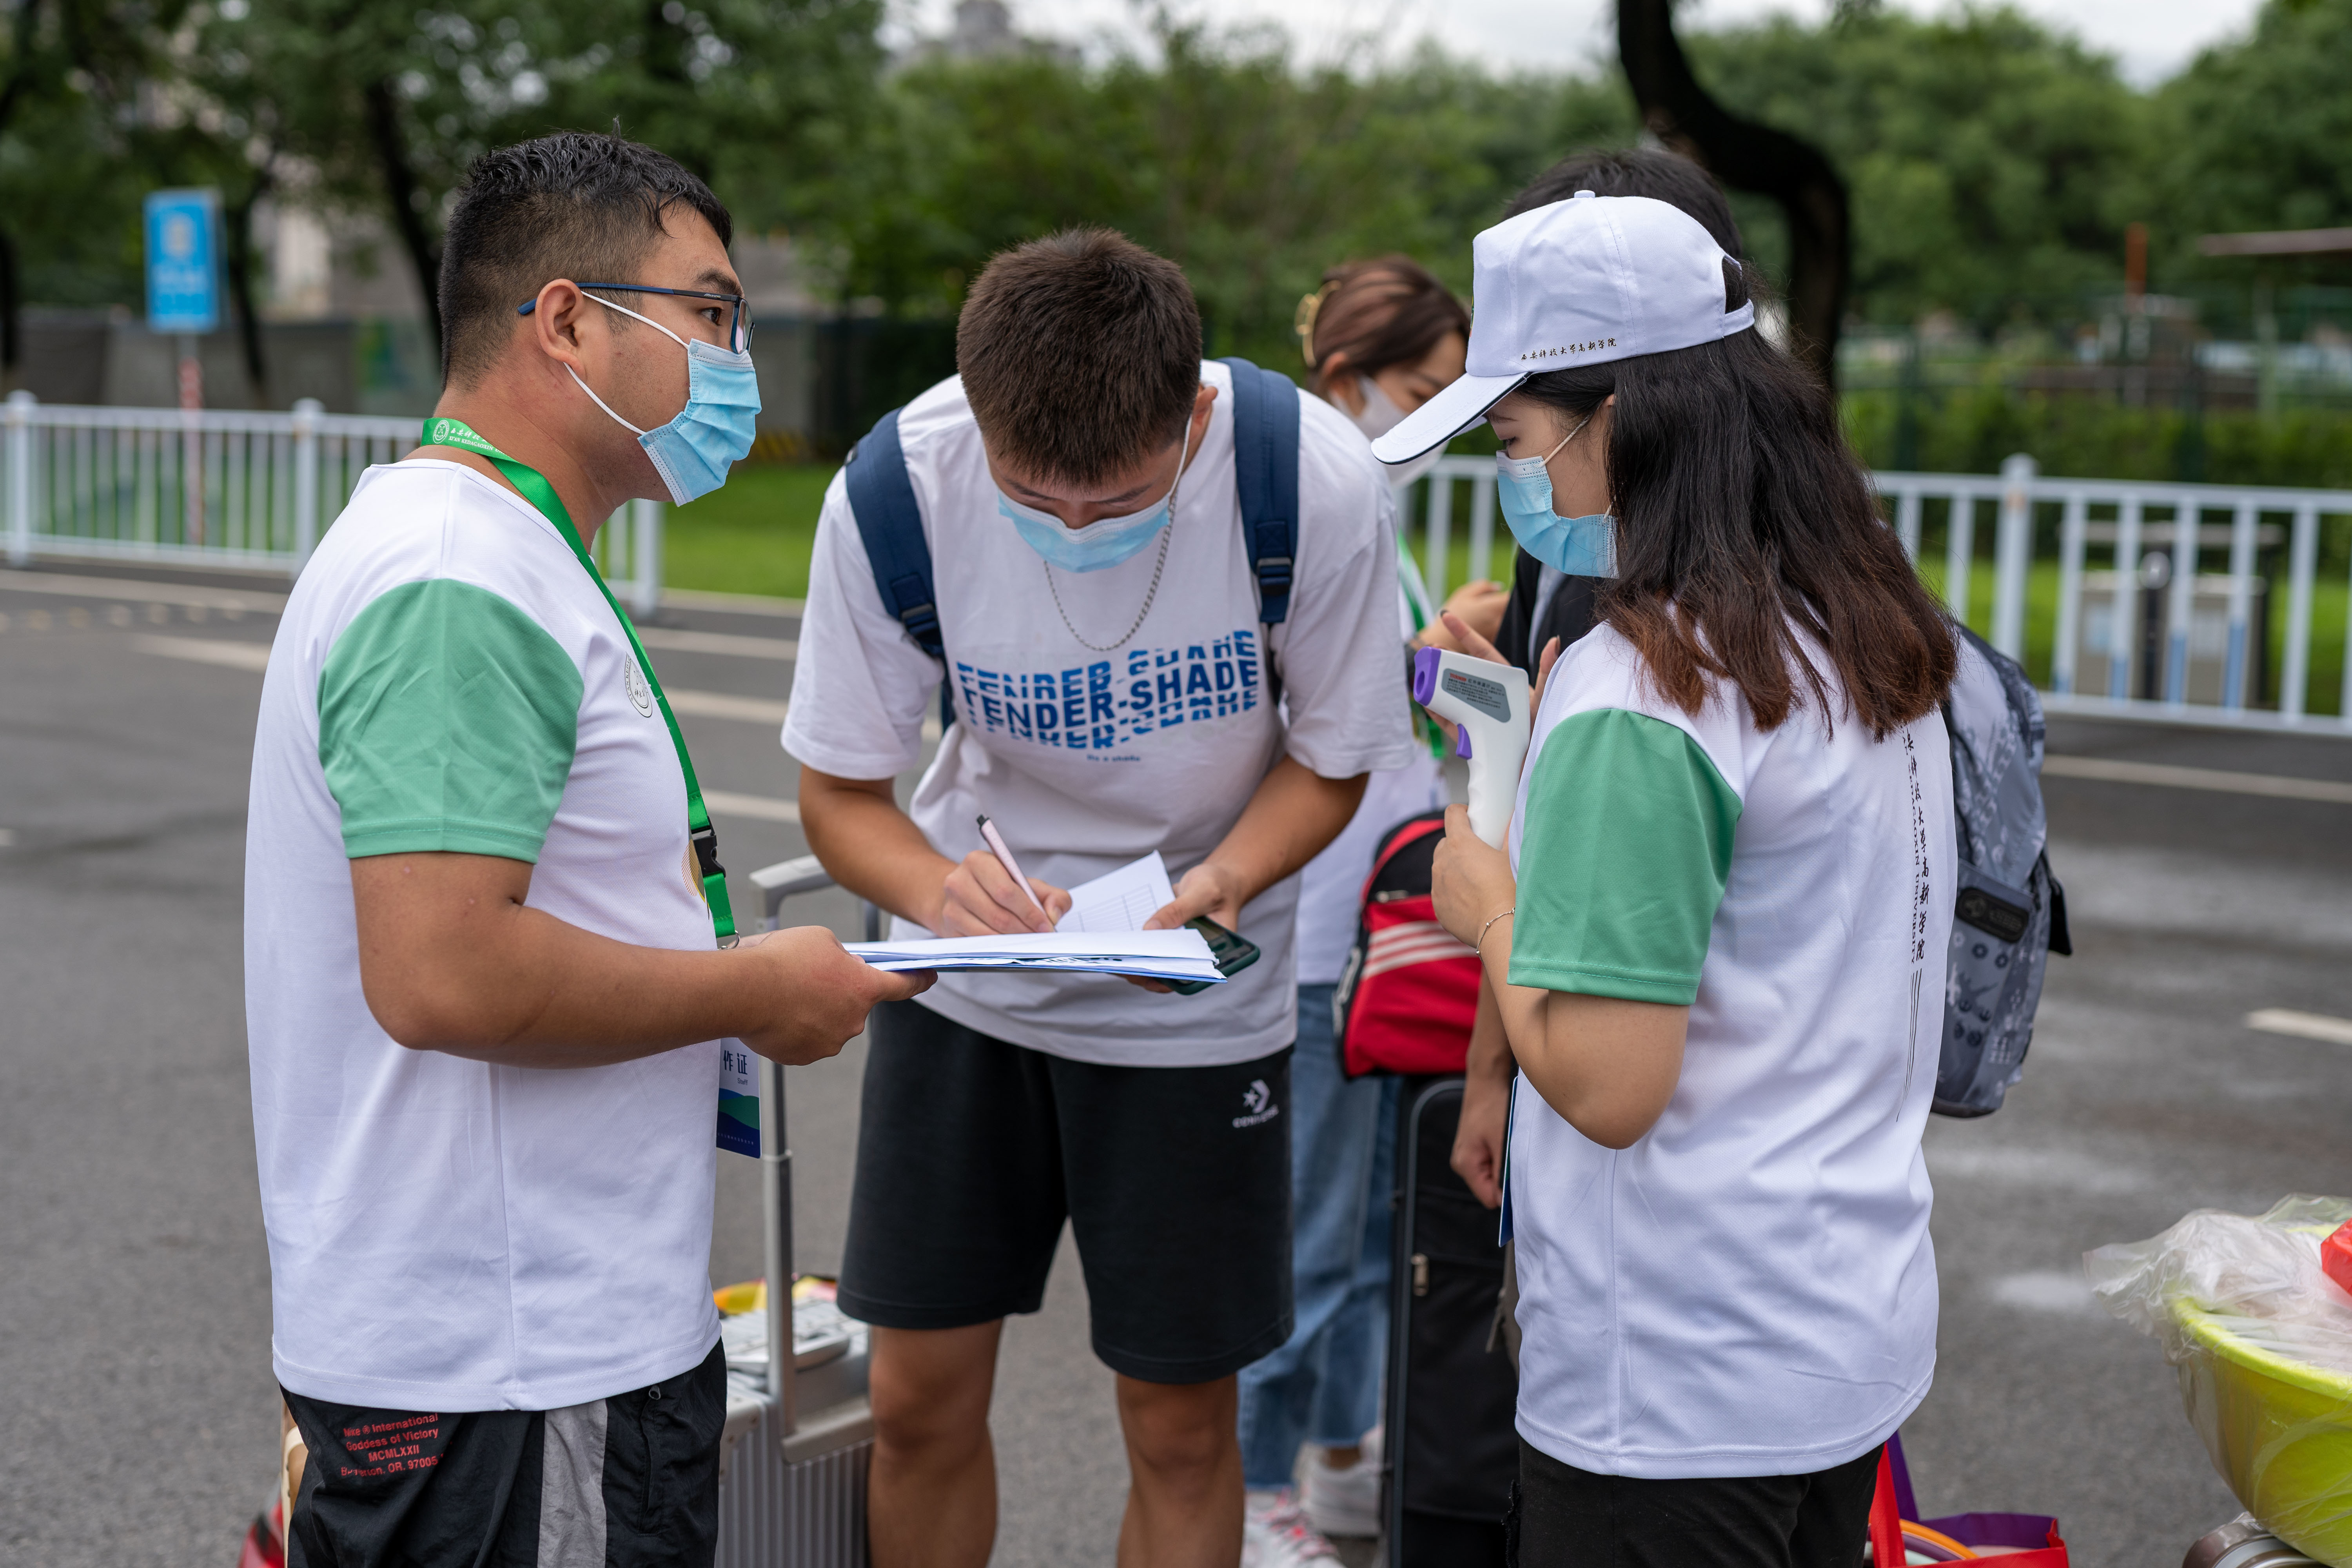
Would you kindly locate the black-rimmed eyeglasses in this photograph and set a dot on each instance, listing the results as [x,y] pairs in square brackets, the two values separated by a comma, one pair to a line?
[738,324]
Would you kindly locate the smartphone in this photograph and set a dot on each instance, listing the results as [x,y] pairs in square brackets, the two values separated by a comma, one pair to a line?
[1233,952]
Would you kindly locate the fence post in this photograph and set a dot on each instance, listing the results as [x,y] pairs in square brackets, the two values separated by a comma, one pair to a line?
[2013,555]
[2069,594]
[1438,543]
[1960,553]
[306,480]
[2241,603]
[19,416]
[645,543]
[2303,561]
[2123,642]
[2181,609]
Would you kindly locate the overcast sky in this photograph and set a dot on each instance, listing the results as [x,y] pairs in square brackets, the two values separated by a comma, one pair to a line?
[2151,38]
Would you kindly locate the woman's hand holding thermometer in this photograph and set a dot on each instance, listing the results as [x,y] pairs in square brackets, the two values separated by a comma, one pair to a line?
[1488,702]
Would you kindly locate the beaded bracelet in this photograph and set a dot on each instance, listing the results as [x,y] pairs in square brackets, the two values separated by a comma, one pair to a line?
[1479,947]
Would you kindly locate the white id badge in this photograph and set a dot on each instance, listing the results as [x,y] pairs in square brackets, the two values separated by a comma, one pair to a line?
[739,1099]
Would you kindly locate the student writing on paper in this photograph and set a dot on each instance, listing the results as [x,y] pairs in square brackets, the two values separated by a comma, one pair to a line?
[1111,630]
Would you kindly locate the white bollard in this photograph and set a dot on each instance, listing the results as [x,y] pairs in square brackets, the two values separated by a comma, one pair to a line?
[19,418]
[2013,555]
[644,571]
[306,480]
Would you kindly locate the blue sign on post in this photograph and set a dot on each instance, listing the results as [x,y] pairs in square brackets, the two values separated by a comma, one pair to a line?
[182,261]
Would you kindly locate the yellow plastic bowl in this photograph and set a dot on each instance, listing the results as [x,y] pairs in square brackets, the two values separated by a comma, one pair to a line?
[2279,1431]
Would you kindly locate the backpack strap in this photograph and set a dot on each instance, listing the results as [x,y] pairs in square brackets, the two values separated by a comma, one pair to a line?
[882,499]
[1266,473]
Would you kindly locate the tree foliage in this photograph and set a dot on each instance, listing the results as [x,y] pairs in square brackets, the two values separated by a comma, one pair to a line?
[1993,162]
[2260,133]
[1224,155]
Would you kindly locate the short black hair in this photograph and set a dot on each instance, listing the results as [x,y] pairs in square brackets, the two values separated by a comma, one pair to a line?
[1650,172]
[578,203]
[1080,354]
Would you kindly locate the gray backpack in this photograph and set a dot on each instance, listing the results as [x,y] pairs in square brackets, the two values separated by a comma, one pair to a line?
[2010,915]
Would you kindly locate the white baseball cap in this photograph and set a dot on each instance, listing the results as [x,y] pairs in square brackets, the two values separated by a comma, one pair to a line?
[1582,281]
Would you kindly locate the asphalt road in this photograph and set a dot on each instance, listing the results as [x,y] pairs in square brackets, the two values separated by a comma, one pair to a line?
[139,1425]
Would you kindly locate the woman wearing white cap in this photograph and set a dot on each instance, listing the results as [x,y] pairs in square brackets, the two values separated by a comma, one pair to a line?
[1717,939]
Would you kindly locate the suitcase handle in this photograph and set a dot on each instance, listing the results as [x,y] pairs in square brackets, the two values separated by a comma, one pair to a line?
[784,879]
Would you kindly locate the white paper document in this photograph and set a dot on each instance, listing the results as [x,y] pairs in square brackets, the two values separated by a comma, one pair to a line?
[1179,954]
[1121,899]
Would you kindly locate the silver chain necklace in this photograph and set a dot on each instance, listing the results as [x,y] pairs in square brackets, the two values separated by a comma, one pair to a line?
[1166,533]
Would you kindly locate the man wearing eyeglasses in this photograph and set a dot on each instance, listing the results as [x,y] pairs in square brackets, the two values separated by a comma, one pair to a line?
[490,966]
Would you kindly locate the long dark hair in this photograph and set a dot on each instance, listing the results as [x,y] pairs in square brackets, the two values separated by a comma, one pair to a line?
[1743,520]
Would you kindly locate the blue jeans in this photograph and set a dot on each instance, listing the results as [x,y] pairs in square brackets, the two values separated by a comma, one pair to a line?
[1323,1386]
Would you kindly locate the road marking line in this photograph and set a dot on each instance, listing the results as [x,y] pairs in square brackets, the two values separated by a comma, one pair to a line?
[2303,1025]
[734,604]
[765,807]
[7,839]
[246,656]
[2108,770]
[728,643]
[724,705]
[255,658]
[144,591]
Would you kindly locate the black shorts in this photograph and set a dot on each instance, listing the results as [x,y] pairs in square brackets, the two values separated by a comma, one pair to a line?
[1176,1181]
[1562,1515]
[626,1482]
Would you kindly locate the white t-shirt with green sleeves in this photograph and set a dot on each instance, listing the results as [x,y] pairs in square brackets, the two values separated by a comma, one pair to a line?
[444,1234]
[1749,1288]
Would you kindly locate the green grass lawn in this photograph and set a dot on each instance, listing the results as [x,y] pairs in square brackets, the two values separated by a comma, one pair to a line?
[754,537]
[751,537]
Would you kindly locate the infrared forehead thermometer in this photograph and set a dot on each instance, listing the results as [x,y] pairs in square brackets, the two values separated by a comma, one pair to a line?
[1487,701]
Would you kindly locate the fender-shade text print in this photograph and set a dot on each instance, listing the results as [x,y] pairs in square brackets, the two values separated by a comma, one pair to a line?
[1108,702]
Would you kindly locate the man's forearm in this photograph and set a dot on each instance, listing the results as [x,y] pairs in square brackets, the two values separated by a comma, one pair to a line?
[872,848]
[450,962]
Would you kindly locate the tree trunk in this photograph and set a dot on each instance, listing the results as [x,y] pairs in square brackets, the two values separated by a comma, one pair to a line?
[12,315]
[1750,157]
[240,291]
[400,188]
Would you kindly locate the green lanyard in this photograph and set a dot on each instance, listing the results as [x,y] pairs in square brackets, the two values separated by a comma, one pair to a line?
[540,494]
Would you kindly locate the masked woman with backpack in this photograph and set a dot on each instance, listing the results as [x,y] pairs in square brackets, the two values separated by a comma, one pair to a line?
[1716,935]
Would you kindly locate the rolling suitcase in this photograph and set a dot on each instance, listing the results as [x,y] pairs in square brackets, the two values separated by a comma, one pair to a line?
[1450,1446]
[800,1432]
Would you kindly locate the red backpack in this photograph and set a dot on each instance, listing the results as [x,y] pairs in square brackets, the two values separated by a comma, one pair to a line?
[1409,994]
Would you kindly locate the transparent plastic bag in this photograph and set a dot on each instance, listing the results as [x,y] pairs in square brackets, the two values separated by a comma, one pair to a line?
[2262,1340]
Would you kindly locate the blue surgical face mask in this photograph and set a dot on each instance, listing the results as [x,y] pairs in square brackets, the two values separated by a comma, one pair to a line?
[1578,546]
[714,431]
[1104,542]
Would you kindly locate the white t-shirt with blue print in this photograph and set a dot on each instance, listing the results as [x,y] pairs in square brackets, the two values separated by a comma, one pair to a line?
[1087,759]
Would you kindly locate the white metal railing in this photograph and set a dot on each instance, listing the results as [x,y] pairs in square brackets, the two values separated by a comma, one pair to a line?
[2112,588]
[226,488]
[223,488]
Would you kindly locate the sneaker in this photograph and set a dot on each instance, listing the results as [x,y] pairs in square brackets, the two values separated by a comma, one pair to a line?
[1345,1502]
[1275,1534]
